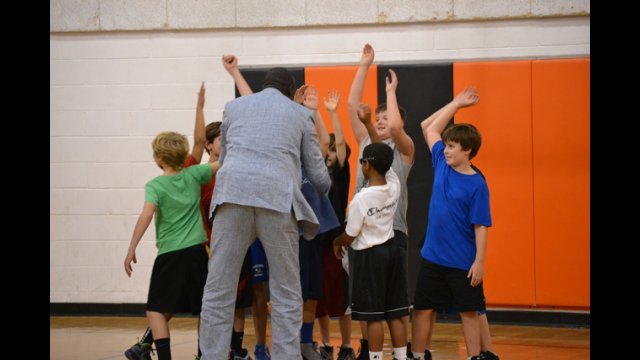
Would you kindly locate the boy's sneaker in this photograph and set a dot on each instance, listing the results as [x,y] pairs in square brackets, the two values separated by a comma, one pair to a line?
[409,353]
[243,354]
[477,357]
[346,354]
[326,352]
[261,352]
[488,355]
[139,351]
[308,353]
[363,353]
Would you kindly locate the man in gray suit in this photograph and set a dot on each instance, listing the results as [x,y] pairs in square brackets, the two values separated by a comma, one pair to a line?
[266,139]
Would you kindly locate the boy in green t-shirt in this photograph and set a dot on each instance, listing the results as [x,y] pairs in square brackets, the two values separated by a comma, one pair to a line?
[180,268]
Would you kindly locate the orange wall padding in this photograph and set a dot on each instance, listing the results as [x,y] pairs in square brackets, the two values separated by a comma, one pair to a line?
[561,116]
[340,78]
[503,118]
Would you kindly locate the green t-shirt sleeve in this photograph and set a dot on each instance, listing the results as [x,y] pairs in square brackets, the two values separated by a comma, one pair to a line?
[202,173]
[150,194]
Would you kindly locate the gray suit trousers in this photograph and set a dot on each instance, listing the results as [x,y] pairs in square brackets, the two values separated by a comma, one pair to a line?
[235,227]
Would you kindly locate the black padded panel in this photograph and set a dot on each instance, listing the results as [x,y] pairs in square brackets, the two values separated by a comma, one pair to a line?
[422,90]
[254,77]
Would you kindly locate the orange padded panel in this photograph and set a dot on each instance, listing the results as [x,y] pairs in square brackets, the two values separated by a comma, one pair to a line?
[503,118]
[561,116]
[340,78]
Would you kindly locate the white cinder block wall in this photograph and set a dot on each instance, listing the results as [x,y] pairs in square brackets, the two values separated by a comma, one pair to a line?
[122,71]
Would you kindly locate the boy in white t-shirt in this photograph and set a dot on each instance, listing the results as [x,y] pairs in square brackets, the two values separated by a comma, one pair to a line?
[379,289]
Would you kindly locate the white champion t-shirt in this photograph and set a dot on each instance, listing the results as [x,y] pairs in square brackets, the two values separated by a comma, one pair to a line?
[371,211]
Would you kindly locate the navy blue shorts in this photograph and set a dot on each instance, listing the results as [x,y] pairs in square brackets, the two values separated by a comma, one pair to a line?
[259,266]
[310,256]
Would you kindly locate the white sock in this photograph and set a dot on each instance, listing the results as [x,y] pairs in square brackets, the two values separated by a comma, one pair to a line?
[346,346]
[418,356]
[400,353]
[377,355]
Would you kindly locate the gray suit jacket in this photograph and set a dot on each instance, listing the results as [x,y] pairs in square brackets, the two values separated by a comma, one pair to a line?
[265,139]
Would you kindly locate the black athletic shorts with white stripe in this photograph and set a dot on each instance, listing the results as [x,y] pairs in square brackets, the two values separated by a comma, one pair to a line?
[379,283]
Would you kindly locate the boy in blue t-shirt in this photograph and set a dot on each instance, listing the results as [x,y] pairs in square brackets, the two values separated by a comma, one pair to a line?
[453,253]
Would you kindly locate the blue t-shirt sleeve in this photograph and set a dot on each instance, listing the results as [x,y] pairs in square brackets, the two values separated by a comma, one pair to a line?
[480,212]
[437,153]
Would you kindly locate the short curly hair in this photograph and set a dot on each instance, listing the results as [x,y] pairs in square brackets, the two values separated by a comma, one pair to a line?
[172,148]
[379,155]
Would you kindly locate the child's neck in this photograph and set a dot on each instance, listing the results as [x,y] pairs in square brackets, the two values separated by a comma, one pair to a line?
[169,171]
[377,180]
[464,168]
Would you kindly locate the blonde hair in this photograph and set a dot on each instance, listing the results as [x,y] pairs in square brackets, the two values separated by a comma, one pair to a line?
[172,148]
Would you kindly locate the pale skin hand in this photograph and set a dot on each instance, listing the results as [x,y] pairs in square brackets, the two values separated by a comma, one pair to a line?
[364,115]
[465,98]
[311,98]
[230,63]
[298,97]
[331,104]
[367,55]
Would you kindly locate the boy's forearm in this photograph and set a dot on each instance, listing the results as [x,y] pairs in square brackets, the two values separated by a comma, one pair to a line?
[141,227]
[344,240]
[482,234]
[241,83]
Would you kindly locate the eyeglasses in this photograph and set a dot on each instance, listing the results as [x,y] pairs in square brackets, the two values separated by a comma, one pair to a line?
[362,160]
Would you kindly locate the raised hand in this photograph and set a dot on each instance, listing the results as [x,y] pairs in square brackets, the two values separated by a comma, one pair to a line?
[311,98]
[364,114]
[201,96]
[299,95]
[367,55]
[229,62]
[391,80]
[467,97]
[331,104]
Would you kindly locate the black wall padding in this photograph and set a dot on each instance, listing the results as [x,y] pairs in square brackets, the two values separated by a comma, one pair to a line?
[422,90]
[254,77]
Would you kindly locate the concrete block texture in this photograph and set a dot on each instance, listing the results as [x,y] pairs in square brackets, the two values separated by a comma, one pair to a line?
[133,15]
[125,15]
[270,13]
[554,7]
[201,14]
[393,11]
[330,12]
[490,9]
[74,15]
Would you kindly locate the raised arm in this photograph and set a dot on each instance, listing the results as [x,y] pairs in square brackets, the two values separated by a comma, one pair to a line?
[311,102]
[199,135]
[331,105]
[230,63]
[465,98]
[396,126]
[357,89]
[364,116]
[141,226]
